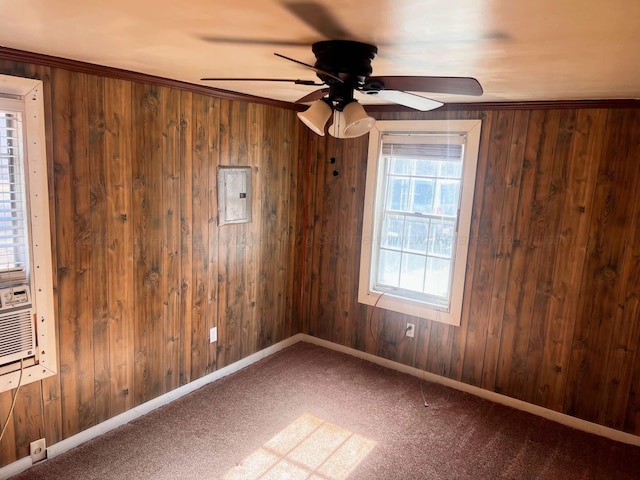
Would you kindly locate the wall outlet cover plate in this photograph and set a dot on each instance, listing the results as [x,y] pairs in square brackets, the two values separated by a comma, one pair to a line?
[38,450]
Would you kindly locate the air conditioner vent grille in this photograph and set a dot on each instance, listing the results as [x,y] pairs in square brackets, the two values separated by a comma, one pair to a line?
[17,336]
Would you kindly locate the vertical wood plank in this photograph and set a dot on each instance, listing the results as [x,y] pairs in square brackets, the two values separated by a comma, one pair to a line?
[82,243]
[172,248]
[148,241]
[118,155]
[300,197]
[226,331]
[98,247]
[268,268]
[253,248]
[308,233]
[186,235]
[294,221]
[284,156]
[202,106]
[227,322]
[212,225]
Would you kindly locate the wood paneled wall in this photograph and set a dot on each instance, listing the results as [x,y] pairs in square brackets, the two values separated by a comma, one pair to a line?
[551,309]
[143,270]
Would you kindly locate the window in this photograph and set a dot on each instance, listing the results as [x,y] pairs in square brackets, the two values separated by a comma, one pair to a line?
[419,194]
[13,207]
[26,278]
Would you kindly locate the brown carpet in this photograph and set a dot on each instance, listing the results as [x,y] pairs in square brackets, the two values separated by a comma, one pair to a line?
[309,412]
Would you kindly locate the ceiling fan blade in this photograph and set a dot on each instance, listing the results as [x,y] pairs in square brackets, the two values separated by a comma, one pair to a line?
[288,80]
[313,96]
[410,100]
[319,18]
[257,41]
[317,70]
[453,85]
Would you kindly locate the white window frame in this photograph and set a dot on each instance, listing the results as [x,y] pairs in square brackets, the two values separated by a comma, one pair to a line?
[45,363]
[393,299]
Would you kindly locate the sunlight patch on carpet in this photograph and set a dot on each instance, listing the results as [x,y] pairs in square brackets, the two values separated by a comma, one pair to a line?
[308,448]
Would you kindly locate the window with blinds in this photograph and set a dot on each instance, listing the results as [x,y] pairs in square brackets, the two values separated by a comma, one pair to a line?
[419,213]
[419,194]
[28,349]
[14,240]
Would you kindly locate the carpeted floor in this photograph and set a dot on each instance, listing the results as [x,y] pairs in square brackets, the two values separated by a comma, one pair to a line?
[309,412]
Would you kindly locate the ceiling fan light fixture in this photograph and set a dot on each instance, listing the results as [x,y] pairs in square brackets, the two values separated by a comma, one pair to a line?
[356,121]
[316,116]
[336,129]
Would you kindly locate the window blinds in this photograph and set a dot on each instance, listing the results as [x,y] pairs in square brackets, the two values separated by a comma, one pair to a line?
[14,249]
[424,146]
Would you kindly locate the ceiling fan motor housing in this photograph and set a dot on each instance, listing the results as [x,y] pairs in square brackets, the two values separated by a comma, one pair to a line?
[350,61]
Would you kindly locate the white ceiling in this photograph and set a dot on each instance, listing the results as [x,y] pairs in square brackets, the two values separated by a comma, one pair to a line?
[518,49]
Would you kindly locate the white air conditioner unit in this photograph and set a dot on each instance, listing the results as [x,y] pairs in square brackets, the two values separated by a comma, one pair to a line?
[17,329]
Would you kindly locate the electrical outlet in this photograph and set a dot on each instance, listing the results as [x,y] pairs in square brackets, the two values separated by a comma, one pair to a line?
[411,330]
[38,450]
[213,335]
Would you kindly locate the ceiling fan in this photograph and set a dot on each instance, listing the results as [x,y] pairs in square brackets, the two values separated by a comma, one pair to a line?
[344,68]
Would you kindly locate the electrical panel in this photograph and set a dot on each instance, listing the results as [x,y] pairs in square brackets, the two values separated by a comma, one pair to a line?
[234,195]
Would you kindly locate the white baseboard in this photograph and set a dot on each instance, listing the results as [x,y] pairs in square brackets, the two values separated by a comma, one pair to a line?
[136,412]
[15,468]
[558,417]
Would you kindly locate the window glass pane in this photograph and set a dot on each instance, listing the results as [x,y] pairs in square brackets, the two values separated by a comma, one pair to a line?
[450,169]
[412,276]
[441,238]
[437,277]
[398,195]
[391,232]
[448,193]
[422,201]
[415,235]
[389,268]
[426,168]
[400,166]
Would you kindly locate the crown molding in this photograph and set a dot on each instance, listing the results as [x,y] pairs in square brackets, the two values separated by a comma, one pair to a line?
[111,72]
